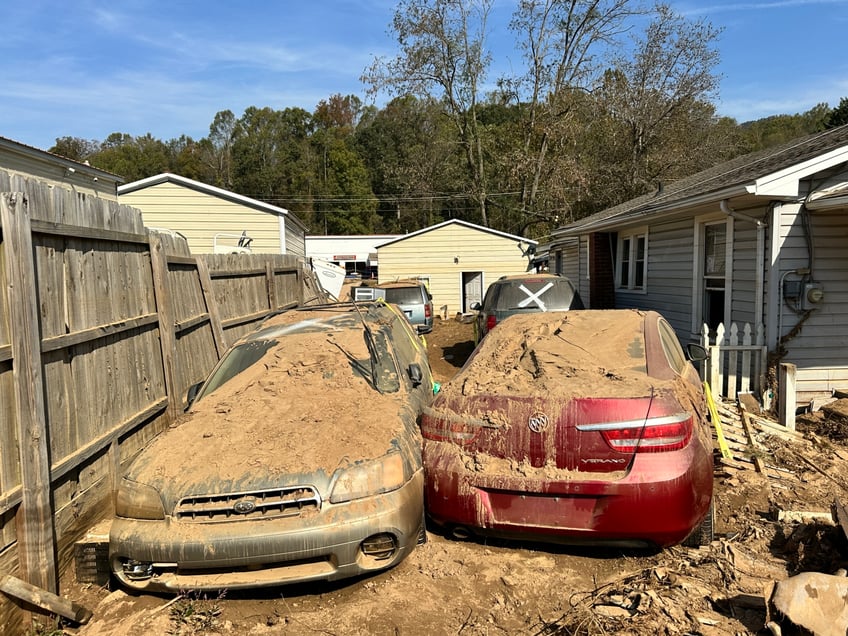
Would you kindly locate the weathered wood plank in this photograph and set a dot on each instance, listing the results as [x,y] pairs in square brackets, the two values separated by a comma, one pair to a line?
[96,445]
[166,323]
[211,306]
[82,232]
[95,333]
[35,515]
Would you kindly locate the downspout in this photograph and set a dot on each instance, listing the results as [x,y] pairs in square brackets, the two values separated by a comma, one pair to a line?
[759,274]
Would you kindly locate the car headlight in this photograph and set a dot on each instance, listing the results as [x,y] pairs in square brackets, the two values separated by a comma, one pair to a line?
[138,501]
[369,478]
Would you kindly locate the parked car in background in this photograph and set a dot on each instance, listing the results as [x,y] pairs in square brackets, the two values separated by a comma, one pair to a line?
[299,459]
[577,427]
[523,293]
[411,296]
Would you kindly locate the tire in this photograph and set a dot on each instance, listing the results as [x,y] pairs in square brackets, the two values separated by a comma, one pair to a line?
[422,533]
[705,532]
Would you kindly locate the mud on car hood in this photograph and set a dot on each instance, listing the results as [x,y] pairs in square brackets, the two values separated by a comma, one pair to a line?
[294,419]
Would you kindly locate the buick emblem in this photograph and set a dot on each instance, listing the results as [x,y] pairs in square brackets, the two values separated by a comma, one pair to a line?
[538,422]
[244,506]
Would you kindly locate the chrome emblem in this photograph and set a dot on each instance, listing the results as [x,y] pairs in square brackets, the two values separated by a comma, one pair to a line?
[244,506]
[538,422]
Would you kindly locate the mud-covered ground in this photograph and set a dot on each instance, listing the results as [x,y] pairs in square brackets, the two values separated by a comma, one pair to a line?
[485,588]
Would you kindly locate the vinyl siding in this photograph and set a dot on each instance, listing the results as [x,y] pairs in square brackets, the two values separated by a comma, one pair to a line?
[820,349]
[745,267]
[54,172]
[432,254]
[199,216]
[669,278]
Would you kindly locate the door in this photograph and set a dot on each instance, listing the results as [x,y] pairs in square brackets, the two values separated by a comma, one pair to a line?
[472,289]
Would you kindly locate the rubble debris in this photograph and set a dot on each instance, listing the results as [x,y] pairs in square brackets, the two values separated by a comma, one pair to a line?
[814,601]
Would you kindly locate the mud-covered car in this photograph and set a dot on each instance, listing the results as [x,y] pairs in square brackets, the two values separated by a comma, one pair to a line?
[299,459]
[523,294]
[576,427]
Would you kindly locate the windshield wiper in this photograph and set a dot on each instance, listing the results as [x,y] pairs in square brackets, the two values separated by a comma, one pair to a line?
[372,347]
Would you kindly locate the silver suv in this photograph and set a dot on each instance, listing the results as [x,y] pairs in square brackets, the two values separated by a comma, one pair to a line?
[411,296]
[524,293]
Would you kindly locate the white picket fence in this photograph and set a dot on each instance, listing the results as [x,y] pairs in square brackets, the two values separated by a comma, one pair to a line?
[736,363]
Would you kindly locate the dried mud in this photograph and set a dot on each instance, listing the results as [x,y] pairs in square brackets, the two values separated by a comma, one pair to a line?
[485,588]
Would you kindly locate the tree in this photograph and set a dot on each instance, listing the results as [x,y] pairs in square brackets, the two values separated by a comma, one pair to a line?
[133,158]
[839,115]
[442,49]
[411,155]
[218,148]
[659,97]
[561,41]
[269,151]
[75,148]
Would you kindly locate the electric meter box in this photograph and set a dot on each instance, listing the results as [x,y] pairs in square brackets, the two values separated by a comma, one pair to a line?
[813,295]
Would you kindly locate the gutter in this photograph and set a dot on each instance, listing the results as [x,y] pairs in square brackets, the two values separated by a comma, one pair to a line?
[659,211]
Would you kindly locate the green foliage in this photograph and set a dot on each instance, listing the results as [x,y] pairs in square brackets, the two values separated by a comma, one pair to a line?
[839,115]
[778,129]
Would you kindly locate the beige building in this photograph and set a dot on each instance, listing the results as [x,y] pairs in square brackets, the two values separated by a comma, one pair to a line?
[17,159]
[213,219]
[456,259]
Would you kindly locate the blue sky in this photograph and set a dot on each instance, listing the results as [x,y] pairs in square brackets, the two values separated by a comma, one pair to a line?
[88,68]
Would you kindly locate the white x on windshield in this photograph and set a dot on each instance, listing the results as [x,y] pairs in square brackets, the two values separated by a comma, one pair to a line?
[534,298]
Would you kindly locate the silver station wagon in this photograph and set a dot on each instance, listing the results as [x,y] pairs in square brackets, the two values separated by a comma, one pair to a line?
[299,459]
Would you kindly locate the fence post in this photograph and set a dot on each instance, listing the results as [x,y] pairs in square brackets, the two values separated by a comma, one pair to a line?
[271,286]
[167,330]
[786,394]
[211,305]
[35,526]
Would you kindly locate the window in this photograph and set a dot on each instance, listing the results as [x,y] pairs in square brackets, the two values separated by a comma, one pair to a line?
[712,272]
[715,250]
[632,261]
[671,347]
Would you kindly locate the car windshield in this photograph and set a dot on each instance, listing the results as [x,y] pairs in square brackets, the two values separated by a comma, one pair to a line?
[312,349]
[535,294]
[404,295]
[237,360]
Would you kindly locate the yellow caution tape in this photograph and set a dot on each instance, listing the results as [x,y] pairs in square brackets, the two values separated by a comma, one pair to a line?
[722,443]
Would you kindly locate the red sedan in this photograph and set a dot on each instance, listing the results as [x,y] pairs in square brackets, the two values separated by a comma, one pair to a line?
[576,427]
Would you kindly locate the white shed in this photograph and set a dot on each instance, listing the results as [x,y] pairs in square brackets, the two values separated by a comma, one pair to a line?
[211,217]
[456,259]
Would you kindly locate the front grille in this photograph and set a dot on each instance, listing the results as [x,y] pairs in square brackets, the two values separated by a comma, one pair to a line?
[249,506]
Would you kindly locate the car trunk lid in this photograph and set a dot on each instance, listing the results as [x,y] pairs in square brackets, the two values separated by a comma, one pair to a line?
[596,435]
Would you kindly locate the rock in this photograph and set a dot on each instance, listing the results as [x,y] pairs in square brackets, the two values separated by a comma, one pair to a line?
[814,601]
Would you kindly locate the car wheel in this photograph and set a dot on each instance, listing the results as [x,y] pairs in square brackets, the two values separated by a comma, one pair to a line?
[705,532]
[422,533]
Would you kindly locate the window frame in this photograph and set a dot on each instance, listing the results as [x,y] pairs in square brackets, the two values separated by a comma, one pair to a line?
[629,241]
[698,274]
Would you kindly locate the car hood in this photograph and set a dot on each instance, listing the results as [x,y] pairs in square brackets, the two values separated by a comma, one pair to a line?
[269,431]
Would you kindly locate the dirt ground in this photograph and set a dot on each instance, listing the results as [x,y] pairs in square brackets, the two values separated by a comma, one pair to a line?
[484,588]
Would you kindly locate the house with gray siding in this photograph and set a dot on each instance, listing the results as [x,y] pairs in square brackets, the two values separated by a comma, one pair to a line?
[761,239]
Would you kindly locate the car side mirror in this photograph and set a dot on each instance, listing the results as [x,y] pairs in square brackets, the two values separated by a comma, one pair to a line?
[696,352]
[476,306]
[191,394]
[415,374]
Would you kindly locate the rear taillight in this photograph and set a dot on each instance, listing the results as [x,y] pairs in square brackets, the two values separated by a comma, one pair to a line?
[428,310]
[441,427]
[491,321]
[650,435]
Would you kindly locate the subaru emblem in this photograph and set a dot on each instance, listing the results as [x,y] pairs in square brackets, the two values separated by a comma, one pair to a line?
[244,506]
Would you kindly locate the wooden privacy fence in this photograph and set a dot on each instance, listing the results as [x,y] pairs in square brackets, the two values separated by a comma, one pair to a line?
[103,327]
[736,362]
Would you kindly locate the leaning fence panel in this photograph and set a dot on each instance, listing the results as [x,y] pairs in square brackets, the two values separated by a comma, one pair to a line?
[737,358]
